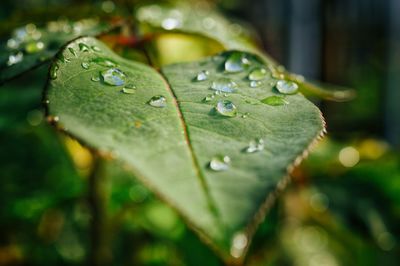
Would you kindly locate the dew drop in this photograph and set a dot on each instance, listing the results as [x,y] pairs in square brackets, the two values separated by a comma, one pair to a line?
[72,51]
[275,100]
[62,58]
[129,89]
[85,65]
[158,101]
[224,85]
[96,49]
[258,74]
[236,62]
[203,75]
[15,58]
[255,83]
[101,61]
[220,163]
[113,77]
[53,71]
[95,79]
[34,47]
[286,87]
[208,98]
[226,108]
[171,23]
[255,146]
[83,47]
[238,245]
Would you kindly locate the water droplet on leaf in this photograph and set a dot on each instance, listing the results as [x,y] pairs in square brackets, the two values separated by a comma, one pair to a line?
[85,65]
[158,101]
[72,51]
[239,244]
[113,77]
[258,74]
[220,163]
[275,100]
[255,146]
[208,98]
[255,83]
[95,79]
[83,47]
[286,87]
[129,89]
[224,85]
[104,62]
[226,108]
[53,71]
[236,62]
[203,75]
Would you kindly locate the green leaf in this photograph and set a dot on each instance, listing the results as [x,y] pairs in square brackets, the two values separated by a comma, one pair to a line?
[170,148]
[30,46]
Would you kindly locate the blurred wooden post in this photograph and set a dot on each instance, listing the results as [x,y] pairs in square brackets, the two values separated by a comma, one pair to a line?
[305,37]
[392,106]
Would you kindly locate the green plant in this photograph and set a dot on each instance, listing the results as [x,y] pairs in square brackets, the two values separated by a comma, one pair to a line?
[215,137]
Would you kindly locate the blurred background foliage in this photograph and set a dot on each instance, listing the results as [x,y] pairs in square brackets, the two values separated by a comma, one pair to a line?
[342,207]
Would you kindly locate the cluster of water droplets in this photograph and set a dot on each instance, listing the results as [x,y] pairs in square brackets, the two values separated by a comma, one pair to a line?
[29,39]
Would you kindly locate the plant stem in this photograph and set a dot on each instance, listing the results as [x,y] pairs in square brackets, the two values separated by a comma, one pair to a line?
[100,251]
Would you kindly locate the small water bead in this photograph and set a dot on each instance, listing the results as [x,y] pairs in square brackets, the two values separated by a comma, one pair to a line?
[203,75]
[53,71]
[95,48]
[255,146]
[255,83]
[224,85]
[15,58]
[236,62]
[158,101]
[85,65]
[275,100]
[83,47]
[220,163]
[95,79]
[238,245]
[113,77]
[101,61]
[226,108]
[286,87]
[245,115]
[72,51]
[63,59]
[129,89]
[258,74]
[209,98]
[34,47]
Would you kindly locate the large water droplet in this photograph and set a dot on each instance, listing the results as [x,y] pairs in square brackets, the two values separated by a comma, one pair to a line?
[286,87]
[113,77]
[255,146]
[220,163]
[85,65]
[238,245]
[129,89]
[255,83]
[224,85]
[158,101]
[258,74]
[83,47]
[53,71]
[275,100]
[15,58]
[203,75]
[226,108]
[34,47]
[236,62]
[104,62]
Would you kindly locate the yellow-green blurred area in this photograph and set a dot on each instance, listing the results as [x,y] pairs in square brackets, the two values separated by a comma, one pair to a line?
[342,206]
